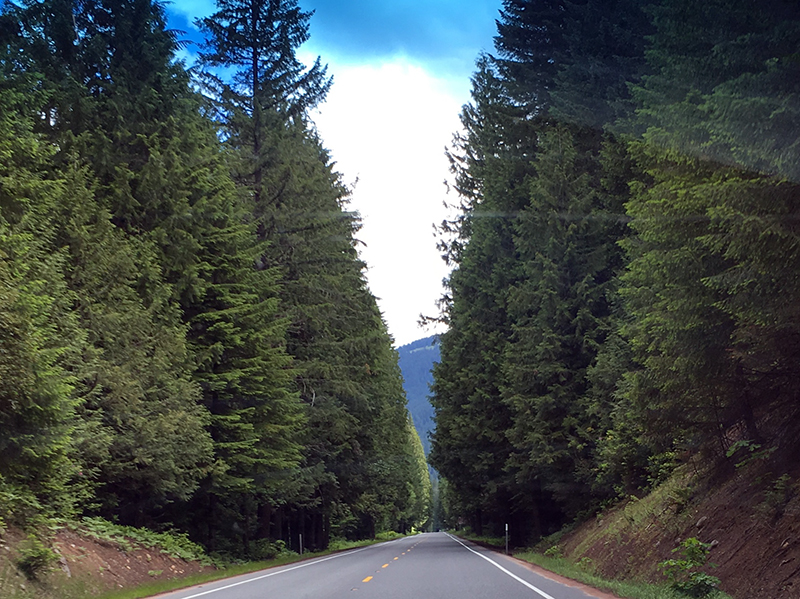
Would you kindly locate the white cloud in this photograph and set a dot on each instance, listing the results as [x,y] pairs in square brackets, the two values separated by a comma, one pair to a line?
[387,125]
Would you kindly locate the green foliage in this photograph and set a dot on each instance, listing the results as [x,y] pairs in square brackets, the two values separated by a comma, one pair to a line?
[35,557]
[173,543]
[265,549]
[633,589]
[748,452]
[684,574]
[188,338]
[660,467]
[554,551]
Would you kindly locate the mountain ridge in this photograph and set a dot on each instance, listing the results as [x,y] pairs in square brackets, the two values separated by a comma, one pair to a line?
[416,363]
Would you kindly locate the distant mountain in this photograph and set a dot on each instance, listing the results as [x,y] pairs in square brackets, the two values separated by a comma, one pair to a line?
[416,361]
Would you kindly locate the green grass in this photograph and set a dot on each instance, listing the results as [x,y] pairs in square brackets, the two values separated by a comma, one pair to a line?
[664,508]
[482,539]
[162,586]
[582,573]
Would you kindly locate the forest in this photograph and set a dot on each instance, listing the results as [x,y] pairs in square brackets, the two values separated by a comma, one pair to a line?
[626,257]
[187,340]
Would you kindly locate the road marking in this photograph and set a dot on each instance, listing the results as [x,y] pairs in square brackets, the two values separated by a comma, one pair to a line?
[367,579]
[397,558]
[385,566]
[304,565]
[496,565]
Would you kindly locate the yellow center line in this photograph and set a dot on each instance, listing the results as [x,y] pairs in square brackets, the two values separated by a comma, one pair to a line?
[397,558]
[385,566]
[367,579]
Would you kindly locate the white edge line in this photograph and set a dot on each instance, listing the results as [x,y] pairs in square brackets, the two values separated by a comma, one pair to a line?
[496,565]
[310,563]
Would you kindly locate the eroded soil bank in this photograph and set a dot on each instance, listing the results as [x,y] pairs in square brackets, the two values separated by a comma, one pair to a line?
[750,516]
[87,566]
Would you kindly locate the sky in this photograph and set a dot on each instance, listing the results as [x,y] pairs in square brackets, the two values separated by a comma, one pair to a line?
[401,73]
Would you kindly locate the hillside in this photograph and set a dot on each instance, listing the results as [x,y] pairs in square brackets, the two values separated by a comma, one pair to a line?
[750,517]
[416,361]
[93,558]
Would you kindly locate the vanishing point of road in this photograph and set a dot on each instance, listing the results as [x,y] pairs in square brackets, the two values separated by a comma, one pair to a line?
[425,566]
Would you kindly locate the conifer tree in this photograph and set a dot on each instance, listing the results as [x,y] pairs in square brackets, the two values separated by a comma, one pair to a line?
[705,294]
[344,371]
[469,447]
[41,343]
[186,255]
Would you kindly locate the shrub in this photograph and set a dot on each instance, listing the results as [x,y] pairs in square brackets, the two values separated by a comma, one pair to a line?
[35,558]
[685,575]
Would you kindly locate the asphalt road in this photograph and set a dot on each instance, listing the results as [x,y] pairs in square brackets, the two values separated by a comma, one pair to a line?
[426,566]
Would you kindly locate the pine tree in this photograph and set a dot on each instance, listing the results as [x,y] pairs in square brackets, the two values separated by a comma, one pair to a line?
[180,255]
[531,48]
[269,85]
[344,371]
[145,435]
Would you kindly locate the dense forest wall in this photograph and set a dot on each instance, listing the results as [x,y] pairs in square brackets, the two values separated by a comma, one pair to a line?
[187,339]
[626,256]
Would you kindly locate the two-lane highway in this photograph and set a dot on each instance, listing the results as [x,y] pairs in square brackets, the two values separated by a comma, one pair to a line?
[430,566]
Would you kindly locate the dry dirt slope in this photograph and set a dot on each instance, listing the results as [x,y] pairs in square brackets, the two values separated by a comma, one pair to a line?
[86,567]
[751,517]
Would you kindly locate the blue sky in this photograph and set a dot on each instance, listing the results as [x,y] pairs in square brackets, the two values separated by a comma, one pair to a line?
[438,33]
[401,75]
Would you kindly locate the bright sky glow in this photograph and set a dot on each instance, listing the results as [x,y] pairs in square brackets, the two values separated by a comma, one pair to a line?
[401,73]
[387,126]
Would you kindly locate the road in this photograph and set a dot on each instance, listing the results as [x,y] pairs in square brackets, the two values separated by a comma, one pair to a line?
[426,566]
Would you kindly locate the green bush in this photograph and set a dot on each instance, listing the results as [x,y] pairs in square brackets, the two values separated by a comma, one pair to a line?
[264,549]
[554,551]
[35,558]
[684,574]
[748,451]
[174,544]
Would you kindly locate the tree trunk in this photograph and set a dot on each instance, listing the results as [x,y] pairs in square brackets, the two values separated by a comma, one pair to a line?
[265,521]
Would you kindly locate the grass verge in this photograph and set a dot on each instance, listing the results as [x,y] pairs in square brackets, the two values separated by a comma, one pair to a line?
[498,542]
[630,589]
[163,586]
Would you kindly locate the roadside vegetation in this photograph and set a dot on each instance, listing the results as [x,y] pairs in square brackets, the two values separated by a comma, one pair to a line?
[622,312]
[583,571]
[187,341]
[45,568]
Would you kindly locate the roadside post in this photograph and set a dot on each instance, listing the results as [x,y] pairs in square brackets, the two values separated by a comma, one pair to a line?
[506,538]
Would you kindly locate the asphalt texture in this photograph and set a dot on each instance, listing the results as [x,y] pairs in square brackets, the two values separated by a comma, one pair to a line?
[430,566]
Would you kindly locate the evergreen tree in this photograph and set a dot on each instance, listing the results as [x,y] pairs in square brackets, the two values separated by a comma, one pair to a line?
[144,436]
[531,48]
[566,243]
[344,370]
[469,446]
[558,190]
[698,296]
[162,178]
[269,85]
[41,343]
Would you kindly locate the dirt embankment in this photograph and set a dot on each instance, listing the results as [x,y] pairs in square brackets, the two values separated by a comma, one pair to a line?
[751,518]
[87,566]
